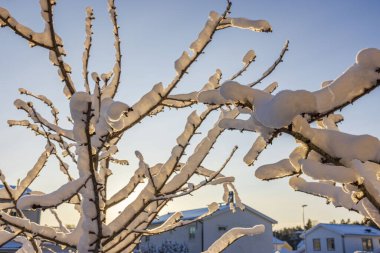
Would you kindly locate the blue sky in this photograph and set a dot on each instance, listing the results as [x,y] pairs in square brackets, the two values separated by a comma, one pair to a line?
[324,39]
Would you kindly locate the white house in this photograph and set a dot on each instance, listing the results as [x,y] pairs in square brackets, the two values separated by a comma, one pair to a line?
[281,246]
[33,215]
[341,238]
[198,236]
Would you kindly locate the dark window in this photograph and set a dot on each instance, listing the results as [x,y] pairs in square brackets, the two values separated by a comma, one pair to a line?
[147,238]
[330,244]
[367,244]
[192,230]
[222,228]
[317,244]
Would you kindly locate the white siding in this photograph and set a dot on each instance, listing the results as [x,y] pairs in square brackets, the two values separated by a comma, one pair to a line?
[258,244]
[255,244]
[180,235]
[323,234]
[354,242]
[33,215]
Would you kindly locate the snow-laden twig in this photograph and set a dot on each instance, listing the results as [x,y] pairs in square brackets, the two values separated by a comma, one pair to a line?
[149,191]
[232,235]
[127,238]
[37,118]
[34,128]
[62,227]
[110,90]
[42,231]
[34,38]
[214,178]
[175,221]
[6,236]
[195,160]
[19,211]
[57,51]
[87,46]
[244,23]
[185,100]
[183,65]
[279,110]
[33,173]
[135,180]
[248,58]
[54,111]
[46,39]
[53,199]
[273,66]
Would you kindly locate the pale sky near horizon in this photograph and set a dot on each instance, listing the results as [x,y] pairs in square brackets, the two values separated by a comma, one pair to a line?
[324,38]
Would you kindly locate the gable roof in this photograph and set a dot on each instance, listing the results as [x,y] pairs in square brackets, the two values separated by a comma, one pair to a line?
[347,229]
[12,245]
[275,240]
[27,190]
[4,194]
[195,213]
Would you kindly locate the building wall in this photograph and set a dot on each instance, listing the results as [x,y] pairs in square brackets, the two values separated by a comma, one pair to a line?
[277,246]
[354,243]
[179,235]
[211,232]
[258,243]
[323,234]
[33,215]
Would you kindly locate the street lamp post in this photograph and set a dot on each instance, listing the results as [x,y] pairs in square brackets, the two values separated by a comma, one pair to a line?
[303,215]
[304,227]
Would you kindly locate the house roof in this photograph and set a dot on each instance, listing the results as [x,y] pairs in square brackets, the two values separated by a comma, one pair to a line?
[4,194]
[275,240]
[11,245]
[347,229]
[301,244]
[195,213]
[14,187]
[4,197]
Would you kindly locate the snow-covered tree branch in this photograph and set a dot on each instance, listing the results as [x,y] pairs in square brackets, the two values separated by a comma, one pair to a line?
[343,167]
[89,144]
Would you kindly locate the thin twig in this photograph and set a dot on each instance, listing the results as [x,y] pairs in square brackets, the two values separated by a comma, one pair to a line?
[273,67]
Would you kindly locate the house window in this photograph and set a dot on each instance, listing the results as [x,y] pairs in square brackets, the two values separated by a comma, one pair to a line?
[330,244]
[317,244]
[367,244]
[147,238]
[192,230]
[222,228]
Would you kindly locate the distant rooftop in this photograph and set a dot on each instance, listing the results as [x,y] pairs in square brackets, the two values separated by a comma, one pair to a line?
[275,240]
[12,245]
[348,229]
[4,194]
[14,187]
[187,214]
[195,213]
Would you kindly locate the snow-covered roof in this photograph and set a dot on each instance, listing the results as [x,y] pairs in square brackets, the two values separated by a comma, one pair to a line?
[4,195]
[14,187]
[194,213]
[275,240]
[186,215]
[12,245]
[347,229]
[301,244]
